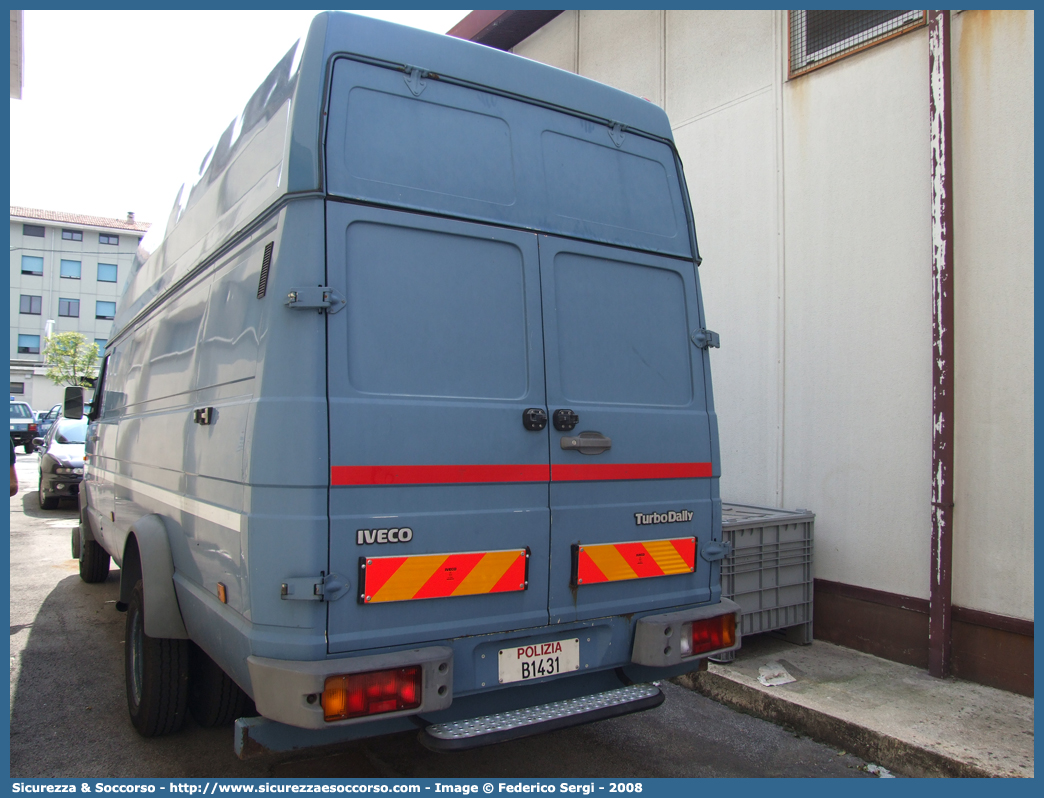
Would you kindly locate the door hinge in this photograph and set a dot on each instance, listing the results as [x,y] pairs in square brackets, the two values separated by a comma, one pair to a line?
[706,339]
[415,80]
[326,587]
[714,551]
[316,297]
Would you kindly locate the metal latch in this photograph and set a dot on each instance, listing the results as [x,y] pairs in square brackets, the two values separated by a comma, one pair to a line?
[705,339]
[714,551]
[327,587]
[317,297]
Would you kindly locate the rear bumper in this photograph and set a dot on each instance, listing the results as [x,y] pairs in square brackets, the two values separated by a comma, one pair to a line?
[466,669]
[282,688]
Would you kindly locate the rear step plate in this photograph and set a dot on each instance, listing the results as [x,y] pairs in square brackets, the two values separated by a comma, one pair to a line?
[517,723]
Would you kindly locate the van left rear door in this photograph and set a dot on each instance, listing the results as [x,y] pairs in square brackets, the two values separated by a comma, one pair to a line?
[439,515]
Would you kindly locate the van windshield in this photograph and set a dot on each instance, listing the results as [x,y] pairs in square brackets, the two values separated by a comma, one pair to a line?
[71,431]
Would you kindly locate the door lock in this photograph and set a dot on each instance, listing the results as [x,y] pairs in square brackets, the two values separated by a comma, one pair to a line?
[587,443]
[534,419]
[564,420]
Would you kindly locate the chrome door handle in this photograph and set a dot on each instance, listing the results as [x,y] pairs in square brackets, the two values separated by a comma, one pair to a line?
[587,443]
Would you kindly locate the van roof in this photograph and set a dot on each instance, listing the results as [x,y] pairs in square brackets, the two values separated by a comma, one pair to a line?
[487,66]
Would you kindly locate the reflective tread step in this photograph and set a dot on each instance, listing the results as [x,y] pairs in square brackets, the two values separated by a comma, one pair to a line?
[517,723]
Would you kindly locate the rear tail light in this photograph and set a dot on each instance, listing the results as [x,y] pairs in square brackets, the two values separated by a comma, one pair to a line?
[32,428]
[710,634]
[356,695]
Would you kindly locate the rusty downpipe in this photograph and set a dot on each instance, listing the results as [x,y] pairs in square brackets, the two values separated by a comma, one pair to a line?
[939,620]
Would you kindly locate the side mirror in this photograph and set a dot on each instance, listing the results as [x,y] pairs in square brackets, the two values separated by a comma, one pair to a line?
[38,443]
[73,405]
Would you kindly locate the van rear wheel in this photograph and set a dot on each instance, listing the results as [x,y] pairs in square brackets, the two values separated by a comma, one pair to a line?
[157,674]
[94,562]
[214,699]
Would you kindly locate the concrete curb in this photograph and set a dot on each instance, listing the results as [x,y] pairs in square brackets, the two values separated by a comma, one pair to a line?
[882,749]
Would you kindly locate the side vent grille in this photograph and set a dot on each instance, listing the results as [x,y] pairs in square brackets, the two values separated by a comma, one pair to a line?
[266,262]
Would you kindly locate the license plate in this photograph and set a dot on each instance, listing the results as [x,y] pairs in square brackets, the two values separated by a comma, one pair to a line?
[537,660]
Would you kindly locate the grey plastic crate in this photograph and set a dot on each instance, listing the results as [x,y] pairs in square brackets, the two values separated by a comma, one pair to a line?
[769,572]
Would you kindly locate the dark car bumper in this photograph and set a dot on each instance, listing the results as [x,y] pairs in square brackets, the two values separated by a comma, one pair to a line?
[60,485]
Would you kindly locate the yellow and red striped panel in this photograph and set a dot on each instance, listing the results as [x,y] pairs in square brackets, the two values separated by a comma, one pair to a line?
[423,576]
[636,559]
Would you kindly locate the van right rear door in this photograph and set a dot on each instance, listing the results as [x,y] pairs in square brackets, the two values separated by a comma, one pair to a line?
[631,490]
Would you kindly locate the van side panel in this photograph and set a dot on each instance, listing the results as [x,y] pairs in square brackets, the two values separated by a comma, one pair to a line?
[241,176]
[286,446]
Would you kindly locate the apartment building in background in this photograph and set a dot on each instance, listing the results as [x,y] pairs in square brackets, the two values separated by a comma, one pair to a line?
[67,271]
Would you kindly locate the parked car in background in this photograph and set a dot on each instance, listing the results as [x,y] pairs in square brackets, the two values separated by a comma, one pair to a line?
[45,418]
[61,461]
[23,425]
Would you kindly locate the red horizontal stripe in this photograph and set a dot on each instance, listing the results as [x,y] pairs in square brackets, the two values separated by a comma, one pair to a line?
[461,474]
[436,474]
[576,472]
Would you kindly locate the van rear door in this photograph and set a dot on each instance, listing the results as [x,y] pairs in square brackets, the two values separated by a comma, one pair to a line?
[431,364]
[631,500]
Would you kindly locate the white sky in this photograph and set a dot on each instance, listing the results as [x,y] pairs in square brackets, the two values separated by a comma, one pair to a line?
[119,107]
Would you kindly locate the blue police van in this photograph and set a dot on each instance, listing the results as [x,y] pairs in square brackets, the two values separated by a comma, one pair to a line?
[405,419]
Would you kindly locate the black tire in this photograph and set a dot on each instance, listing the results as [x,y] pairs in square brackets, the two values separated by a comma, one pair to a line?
[29,448]
[156,674]
[76,543]
[94,562]
[46,502]
[214,699]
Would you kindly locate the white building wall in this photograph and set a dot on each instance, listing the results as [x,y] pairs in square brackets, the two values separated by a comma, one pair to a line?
[812,206]
[722,98]
[858,314]
[555,43]
[993,59]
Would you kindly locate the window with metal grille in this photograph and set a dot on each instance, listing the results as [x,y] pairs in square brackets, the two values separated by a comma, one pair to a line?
[821,37]
[69,307]
[32,305]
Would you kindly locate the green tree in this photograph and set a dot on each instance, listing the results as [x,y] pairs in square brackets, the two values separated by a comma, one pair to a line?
[70,359]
